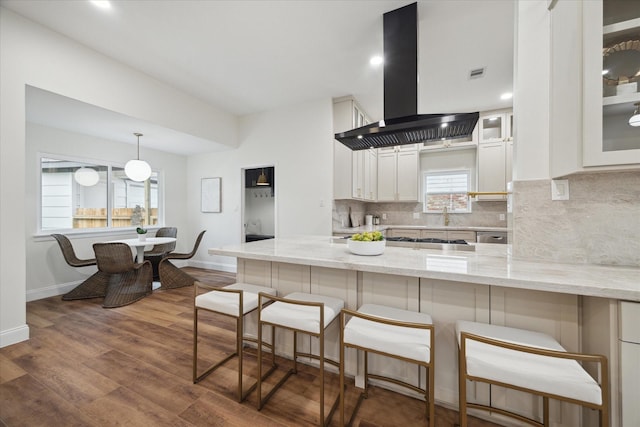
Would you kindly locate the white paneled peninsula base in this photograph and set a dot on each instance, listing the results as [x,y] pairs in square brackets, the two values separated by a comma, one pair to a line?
[576,304]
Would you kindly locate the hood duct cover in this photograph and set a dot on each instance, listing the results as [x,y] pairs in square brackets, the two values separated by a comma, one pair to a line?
[402,124]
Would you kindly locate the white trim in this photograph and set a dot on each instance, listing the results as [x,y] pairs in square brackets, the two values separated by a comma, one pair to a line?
[229,268]
[51,291]
[14,335]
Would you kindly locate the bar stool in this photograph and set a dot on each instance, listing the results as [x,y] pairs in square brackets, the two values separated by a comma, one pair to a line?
[301,313]
[236,300]
[390,332]
[528,361]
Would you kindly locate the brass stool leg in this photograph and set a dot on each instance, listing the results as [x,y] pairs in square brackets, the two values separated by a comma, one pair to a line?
[239,349]
[195,344]
[259,386]
[462,385]
[321,376]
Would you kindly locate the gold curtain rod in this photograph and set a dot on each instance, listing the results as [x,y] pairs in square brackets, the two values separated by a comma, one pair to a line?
[486,193]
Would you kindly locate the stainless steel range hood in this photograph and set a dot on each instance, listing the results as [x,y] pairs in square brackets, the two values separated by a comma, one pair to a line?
[402,124]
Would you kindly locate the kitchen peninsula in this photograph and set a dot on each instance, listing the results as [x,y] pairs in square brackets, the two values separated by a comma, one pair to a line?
[577,304]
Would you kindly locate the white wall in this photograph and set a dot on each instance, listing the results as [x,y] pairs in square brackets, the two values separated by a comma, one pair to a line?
[33,55]
[298,141]
[47,273]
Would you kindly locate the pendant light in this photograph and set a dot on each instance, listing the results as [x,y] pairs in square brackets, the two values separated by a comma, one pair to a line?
[634,120]
[137,170]
[262,179]
[87,177]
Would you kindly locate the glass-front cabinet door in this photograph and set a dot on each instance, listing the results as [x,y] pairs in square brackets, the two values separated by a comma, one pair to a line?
[612,82]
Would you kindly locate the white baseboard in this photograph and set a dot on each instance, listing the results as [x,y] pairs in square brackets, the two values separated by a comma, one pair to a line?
[229,268]
[51,291]
[63,288]
[14,335]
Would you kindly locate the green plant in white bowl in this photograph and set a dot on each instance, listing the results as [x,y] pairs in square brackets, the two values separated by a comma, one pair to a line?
[367,243]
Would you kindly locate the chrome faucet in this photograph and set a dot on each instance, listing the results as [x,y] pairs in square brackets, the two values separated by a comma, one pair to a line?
[445,216]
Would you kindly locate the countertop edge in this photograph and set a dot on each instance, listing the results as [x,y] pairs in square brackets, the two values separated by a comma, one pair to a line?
[521,274]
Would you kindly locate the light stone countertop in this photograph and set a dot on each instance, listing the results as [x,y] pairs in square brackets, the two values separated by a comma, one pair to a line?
[489,264]
[348,230]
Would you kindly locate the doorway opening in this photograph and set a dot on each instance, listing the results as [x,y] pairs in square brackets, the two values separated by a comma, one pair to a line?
[259,204]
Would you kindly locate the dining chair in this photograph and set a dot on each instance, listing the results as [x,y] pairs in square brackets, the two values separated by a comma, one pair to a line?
[158,252]
[172,277]
[95,286]
[128,281]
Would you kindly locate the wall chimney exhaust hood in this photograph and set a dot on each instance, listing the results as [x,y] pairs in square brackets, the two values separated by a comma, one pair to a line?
[402,124]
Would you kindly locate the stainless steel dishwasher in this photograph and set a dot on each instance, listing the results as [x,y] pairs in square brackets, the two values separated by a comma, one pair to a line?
[491,237]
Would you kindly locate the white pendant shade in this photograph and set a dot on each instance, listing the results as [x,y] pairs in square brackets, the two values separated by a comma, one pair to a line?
[634,120]
[137,170]
[86,177]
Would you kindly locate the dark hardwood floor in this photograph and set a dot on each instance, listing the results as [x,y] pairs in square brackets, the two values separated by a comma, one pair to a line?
[131,366]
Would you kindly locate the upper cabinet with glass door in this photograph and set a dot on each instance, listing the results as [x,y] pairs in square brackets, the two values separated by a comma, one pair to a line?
[611,82]
[496,126]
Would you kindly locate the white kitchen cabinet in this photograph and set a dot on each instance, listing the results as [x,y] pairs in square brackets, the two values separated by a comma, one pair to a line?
[492,168]
[398,173]
[349,166]
[630,362]
[493,126]
[589,128]
[433,234]
[608,137]
[365,175]
[495,153]
[468,236]
[418,233]
[412,233]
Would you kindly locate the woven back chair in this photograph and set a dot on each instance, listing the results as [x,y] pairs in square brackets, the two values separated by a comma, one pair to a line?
[128,281]
[95,286]
[69,254]
[158,252]
[166,247]
[171,276]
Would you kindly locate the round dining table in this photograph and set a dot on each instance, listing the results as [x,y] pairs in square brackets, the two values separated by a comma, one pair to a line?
[141,244]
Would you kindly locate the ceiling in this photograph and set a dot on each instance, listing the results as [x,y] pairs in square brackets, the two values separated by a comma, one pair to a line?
[246,57]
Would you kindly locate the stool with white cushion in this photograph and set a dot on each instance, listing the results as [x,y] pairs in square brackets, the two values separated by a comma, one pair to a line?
[391,332]
[236,300]
[528,361]
[301,313]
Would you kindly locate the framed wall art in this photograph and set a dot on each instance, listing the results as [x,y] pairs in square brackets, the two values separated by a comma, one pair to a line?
[210,195]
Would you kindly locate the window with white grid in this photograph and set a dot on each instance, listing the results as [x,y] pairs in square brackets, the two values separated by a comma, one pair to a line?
[446,189]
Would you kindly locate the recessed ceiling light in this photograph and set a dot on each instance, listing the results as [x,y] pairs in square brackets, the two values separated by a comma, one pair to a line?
[444,125]
[359,136]
[376,60]
[604,72]
[493,119]
[102,4]
[506,95]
